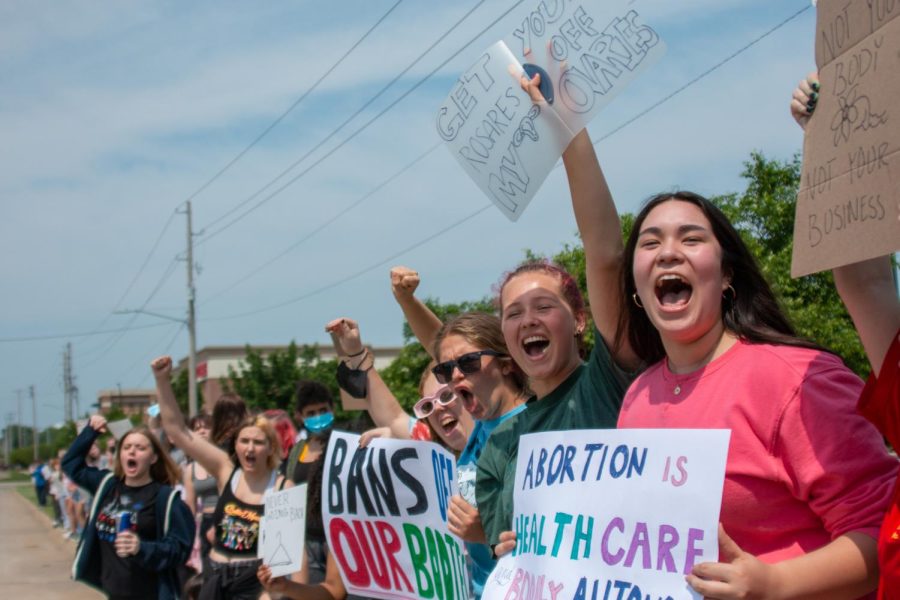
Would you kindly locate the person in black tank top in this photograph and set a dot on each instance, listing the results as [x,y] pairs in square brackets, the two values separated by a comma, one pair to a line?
[241,491]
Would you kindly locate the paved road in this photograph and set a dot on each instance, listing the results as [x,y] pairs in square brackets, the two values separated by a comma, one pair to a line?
[35,560]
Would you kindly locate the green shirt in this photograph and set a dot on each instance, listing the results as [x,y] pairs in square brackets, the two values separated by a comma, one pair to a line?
[590,398]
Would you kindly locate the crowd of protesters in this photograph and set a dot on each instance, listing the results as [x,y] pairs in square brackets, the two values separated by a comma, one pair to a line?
[683,323]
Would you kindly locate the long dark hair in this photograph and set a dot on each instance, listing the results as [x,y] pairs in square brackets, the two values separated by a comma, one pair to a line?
[751,311]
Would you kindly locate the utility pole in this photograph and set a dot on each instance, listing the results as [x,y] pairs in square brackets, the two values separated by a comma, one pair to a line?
[19,417]
[191,322]
[34,430]
[67,382]
[8,437]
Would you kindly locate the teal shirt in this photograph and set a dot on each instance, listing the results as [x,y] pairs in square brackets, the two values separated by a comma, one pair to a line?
[481,555]
[590,398]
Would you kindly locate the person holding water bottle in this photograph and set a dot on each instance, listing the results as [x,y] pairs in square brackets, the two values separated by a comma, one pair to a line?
[138,531]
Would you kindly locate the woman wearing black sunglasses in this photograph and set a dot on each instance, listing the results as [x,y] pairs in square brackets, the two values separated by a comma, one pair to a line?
[474,362]
[544,319]
[443,417]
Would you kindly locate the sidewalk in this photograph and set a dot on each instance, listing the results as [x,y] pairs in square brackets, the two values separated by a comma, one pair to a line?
[35,560]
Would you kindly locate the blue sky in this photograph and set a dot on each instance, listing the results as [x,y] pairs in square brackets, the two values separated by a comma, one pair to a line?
[114,113]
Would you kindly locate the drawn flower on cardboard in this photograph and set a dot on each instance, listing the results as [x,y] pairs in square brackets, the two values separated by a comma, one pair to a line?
[845,118]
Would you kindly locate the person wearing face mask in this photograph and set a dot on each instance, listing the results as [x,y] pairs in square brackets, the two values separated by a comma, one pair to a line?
[314,409]
[138,532]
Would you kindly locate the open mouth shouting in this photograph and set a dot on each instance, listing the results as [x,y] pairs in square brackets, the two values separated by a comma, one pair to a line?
[448,423]
[672,291]
[249,460]
[535,346]
[131,466]
[467,398]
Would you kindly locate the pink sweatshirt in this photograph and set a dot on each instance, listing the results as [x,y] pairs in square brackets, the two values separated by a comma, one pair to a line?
[803,467]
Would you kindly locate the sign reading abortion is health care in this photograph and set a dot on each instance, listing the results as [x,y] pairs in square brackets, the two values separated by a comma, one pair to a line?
[586,53]
[385,515]
[604,514]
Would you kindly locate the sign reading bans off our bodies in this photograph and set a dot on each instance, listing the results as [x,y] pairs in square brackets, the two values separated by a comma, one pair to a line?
[586,53]
[604,514]
[848,204]
[385,515]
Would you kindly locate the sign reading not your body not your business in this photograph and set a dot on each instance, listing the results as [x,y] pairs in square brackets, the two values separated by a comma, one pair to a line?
[585,52]
[612,514]
[385,514]
[848,205]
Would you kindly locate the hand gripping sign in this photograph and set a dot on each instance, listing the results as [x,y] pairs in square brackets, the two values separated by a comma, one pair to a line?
[848,205]
[585,53]
[612,514]
[385,514]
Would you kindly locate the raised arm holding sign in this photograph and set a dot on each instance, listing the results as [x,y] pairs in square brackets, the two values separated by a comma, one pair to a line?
[585,54]
[849,199]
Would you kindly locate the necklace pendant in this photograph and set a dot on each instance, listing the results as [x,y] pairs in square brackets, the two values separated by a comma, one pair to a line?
[677,390]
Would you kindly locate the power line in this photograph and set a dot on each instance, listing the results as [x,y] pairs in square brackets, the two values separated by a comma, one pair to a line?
[296,103]
[358,273]
[134,279]
[179,327]
[60,336]
[165,351]
[706,72]
[360,129]
[323,226]
[423,241]
[168,273]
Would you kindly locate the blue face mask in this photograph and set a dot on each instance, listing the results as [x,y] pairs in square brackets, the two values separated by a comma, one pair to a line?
[319,423]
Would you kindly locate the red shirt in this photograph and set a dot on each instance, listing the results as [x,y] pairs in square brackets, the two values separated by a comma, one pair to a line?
[880,403]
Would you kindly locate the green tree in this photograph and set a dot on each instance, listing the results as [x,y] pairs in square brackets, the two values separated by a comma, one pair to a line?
[270,380]
[764,216]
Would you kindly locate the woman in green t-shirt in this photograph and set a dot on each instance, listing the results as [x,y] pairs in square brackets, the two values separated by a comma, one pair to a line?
[544,318]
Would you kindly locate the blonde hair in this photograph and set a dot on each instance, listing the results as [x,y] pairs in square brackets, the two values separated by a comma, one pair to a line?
[164,470]
[264,425]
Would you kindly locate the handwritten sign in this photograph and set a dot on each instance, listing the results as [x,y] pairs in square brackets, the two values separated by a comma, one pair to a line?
[586,54]
[847,205]
[385,515]
[612,514]
[283,530]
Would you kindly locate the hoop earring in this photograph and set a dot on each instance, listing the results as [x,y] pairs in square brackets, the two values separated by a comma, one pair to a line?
[637,300]
[733,294]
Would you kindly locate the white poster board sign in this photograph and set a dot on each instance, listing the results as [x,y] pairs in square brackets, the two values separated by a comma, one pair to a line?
[385,514]
[282,534]
[613,513]
[119,428]
[586,54]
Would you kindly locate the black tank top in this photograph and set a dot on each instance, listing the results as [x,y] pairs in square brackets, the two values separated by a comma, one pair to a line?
[237,522]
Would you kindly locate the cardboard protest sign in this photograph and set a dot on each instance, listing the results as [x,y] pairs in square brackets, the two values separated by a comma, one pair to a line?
[586,53]
[849,199]
[385,514]
[282,531]
[613,513]
[119,428]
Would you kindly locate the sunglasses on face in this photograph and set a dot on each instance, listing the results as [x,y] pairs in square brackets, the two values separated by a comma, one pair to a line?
[467,364]
[425,406]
